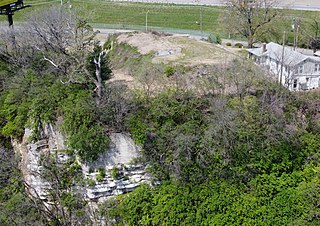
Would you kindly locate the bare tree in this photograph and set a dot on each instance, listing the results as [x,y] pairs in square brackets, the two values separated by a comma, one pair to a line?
[248,17]
[70,47]
[64,42]
[116,105]
[314,38]
[150,78]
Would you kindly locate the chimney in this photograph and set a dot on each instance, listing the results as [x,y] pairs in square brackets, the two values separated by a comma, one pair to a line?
[264,47]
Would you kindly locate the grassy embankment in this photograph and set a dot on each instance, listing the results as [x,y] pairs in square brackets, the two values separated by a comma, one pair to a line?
[123,15]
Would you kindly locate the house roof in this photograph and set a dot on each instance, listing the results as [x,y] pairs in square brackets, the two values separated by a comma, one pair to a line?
[315,58]
[274,51]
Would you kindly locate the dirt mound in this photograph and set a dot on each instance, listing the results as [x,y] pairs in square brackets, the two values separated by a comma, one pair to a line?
[176,49]
[149,42]
[187,56]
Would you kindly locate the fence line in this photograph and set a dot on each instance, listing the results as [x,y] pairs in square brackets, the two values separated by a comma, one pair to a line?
[151,28]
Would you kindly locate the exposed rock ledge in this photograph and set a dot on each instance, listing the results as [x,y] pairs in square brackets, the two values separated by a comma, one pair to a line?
[118,160]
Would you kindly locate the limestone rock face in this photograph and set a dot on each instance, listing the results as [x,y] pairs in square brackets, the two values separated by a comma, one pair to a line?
[121,174]
[113,173]
[30,158]
[129,177]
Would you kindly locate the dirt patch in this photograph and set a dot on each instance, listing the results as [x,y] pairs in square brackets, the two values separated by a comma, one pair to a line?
[176,49]
[147,42]
[122,76]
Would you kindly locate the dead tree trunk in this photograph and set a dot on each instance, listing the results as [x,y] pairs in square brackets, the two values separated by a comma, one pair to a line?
[98,81]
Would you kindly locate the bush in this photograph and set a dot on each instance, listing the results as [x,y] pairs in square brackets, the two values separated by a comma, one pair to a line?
[80,124]
[228,44]
[115,173]
[238,45]
[102,172]
[212,38]
[169,70]
[91,182]
[218,39]
[99,177]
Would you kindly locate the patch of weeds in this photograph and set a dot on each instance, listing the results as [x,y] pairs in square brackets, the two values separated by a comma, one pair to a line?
[102,172]
[115,173]
[238,45]
[99,177]
[169,70]
[91,182]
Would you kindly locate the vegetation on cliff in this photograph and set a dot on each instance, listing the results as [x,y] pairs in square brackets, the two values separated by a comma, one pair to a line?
[236,150]
[226,160]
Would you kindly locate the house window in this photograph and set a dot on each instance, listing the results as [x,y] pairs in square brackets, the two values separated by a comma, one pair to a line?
[317,67]
[307,80]
[300,69]
[295,83]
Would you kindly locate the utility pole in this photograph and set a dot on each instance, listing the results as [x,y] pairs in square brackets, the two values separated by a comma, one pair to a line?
[69,5]
[201,22]
[294,33]
[8,10]
[12,34]
[147,21]
[282,57]
[296,26]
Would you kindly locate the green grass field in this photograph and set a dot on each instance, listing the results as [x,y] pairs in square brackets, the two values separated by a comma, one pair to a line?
[160,15]
[118,14]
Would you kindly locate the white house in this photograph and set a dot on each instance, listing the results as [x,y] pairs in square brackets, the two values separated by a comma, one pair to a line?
[296,71]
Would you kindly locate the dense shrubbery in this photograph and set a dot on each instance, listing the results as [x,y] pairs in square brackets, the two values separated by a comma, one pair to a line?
[194,139]
[33,101]
[268,199]
[236,161]
[171,129]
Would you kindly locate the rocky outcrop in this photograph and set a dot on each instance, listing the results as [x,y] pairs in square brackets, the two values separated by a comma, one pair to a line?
[31,152]
[127,178]
[113,173]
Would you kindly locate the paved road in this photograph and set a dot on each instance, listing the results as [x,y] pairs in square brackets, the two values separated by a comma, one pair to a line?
[294,4]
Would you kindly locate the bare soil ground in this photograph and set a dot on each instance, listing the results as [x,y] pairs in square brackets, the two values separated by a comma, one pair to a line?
[147,42]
